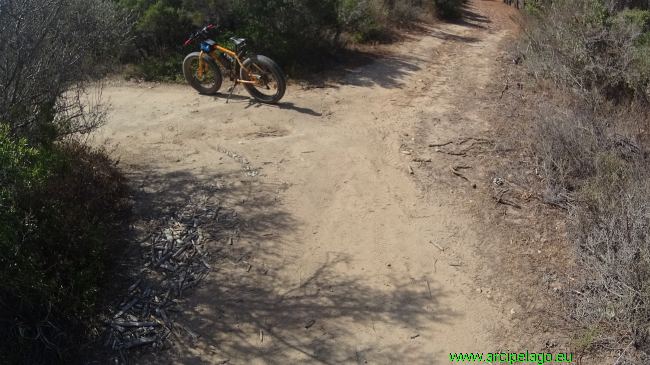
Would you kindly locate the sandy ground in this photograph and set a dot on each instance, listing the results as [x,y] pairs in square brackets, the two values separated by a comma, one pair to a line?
[352,250]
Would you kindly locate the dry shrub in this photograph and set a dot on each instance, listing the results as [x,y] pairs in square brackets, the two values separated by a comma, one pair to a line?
[406,11]
[613,242]
[596,166]
[566,141]
[48,50]
[593,152]
[572,138]
[590,48]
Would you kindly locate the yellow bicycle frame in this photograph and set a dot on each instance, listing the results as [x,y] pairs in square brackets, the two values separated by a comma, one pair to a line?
[215,56]
[199,72]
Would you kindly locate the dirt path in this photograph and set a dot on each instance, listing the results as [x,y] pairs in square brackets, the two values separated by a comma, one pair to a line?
[339,257]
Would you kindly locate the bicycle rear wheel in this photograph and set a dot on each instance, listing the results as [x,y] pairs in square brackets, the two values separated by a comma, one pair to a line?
[270,83]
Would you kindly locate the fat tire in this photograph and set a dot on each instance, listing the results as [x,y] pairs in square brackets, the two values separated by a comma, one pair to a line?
[189,74]
[277,74]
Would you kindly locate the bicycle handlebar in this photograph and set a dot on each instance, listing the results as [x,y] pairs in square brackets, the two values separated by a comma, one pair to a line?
[195,35]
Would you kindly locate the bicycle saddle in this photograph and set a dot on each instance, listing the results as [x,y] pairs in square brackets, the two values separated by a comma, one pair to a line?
[238,41]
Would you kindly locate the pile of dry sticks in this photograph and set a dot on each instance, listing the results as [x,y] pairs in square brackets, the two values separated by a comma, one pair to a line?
[175,260]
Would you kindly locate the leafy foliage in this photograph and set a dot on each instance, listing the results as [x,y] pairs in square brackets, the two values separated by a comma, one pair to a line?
[295,33]
[61,205]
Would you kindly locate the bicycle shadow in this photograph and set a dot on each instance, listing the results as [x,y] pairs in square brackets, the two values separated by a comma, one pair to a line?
[252,103]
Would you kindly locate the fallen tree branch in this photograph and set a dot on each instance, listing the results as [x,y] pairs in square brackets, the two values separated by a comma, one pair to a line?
[456,171]
[500,200]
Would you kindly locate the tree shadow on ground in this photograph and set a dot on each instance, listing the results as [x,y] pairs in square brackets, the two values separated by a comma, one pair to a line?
[388,72]
[249,311]
[472,18]
[356,65]
[253,203]
[447,36]
[324,320]
[367,68]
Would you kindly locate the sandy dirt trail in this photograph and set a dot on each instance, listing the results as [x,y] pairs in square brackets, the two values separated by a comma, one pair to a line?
[338,259]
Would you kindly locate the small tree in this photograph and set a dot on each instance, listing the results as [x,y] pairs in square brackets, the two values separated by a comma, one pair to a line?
[49,49]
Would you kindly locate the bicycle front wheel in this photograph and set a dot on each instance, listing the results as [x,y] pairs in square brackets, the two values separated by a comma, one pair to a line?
[206,82]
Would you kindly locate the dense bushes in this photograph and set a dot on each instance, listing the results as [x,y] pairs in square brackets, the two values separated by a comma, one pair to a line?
[592,143]
[592,49]
[61,205]
[60,202]
[295,33]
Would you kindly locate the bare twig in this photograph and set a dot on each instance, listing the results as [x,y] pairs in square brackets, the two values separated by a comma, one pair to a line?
[440,144]
[438,246]
[456,171]
[177,255]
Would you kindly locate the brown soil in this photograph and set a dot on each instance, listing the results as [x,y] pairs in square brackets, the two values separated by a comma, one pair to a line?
[359,242]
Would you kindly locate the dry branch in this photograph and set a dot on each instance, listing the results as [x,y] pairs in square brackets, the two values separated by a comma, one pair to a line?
[456,171]
[176,260]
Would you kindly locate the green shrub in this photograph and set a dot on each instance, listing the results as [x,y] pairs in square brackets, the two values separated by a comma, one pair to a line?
[297,34]
[62,207]
[638,17]
[534,7]
[361,19]
[163,69]
[590,47]
[162,25]
[23,169]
